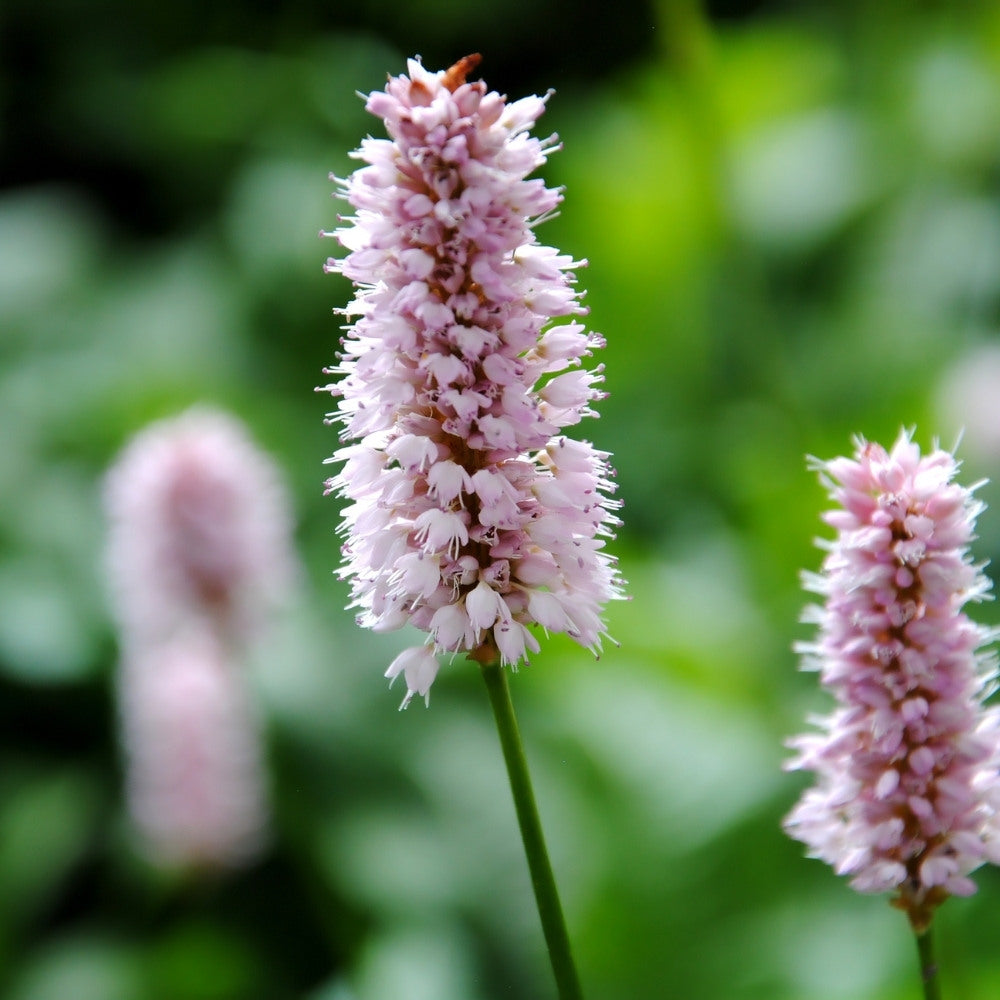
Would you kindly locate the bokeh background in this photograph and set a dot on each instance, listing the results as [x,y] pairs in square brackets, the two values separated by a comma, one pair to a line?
[792,220]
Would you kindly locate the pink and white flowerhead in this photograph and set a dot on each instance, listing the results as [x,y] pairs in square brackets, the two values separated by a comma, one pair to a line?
[471,515]
[200,529]
[195,779]
[907,798]
[199,553]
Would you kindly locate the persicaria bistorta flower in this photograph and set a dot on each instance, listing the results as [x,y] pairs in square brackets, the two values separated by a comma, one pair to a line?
[200,528]
[908,793]
[199,553]
[471,516]
[194,781]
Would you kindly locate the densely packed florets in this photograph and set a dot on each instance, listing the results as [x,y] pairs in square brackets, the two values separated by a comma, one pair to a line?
[199,553]
[194,781]
[908,794]
[200,528]
[471,516]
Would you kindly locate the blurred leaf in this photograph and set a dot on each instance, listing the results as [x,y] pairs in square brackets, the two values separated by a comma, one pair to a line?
[771,71]
[682,765]
[289,201]
[44,637]
[337,69]
[81,967]
[955,103]
[203,961]
[47,822]
[426,963]
[49,238]
[216,95]
[797,181]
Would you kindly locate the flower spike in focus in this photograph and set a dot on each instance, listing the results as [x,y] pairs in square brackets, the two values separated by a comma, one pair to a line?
[907,799]
[469,514]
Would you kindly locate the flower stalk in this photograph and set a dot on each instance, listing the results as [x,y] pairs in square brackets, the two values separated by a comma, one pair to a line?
[542,877]
[928,965]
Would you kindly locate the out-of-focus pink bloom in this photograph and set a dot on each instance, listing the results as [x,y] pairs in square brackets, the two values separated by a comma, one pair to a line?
[908,795]
[199,553]
[195,778]
[471,516]
[199,528]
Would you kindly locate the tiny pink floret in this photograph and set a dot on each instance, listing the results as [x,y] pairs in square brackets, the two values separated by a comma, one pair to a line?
[454,385]
[908,795]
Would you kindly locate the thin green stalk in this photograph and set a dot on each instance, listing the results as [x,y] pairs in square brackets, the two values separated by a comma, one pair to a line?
[928,967]
[542,879]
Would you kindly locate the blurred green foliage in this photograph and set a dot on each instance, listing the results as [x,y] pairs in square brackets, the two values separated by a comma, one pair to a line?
[792,221]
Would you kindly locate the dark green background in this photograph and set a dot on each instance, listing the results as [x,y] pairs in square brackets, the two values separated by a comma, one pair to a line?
[791,217]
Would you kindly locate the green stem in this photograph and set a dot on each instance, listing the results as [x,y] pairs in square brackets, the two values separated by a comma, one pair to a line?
[542,879]
[928,967]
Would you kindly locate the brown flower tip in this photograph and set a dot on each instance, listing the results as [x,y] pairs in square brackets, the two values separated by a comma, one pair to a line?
[455,75]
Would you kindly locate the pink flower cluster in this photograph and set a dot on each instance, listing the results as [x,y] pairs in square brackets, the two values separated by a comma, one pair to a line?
[908,792]
[200,530]
[194,781]
[199,552]
[471,516]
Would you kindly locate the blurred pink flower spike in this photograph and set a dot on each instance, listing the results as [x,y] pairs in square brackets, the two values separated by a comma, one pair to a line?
[470,515]
[199,555]
[200,528]
[195,778]
[908,794]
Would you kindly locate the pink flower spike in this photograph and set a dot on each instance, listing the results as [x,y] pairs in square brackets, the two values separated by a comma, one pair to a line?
[469,515]
[199,555]
[200,528]
[907,798]
[195,780]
